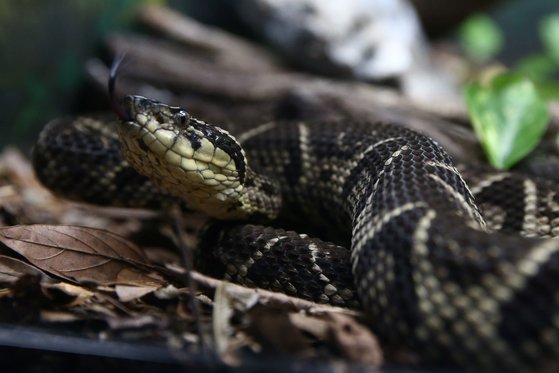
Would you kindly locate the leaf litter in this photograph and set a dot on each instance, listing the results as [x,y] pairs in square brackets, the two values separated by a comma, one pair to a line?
[109,274]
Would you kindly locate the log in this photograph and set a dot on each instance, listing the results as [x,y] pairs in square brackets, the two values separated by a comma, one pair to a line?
[231,82]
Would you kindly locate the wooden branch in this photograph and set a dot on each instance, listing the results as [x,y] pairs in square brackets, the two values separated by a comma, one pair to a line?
[230,82]
[263,95]
[231,51]
[273,299]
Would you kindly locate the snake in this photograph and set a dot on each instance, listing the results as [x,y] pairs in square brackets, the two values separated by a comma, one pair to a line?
[462,274]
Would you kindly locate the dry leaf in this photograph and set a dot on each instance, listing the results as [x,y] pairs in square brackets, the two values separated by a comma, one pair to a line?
[355,341]
[226,302]
[127,293]
[132,284]
[133,322]
[273,329]
[75,253]
[167,292]
[11,269]
[133,277]
[312,325]
[102,309]
[78,293]
[352,340]
[58,316]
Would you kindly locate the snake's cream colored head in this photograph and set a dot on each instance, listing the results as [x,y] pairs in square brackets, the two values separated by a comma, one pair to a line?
[196,161]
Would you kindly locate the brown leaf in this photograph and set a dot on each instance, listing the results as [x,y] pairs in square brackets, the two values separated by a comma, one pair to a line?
[226,303]
[313,325]
[133,322]
[133,277]
[78,294]
[352,340]
[11,269]
[127,293]
[75,253]
[355,341]
[58,316]
[134,284]
[275,332]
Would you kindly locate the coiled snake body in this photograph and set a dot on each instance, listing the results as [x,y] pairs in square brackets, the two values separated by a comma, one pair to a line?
[428,269]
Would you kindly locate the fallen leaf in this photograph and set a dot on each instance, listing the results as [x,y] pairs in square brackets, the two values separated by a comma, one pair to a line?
[226,302]
[355,341]
[132,284]
[78,254]
[167,292]
[78,293]
[133,322]
[352,340]
[11,269]
[58,316]
[133,277]
[312,325]
[127,293]
[274,331]
[102,309]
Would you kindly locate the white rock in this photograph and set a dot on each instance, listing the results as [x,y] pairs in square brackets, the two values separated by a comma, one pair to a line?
[368,39]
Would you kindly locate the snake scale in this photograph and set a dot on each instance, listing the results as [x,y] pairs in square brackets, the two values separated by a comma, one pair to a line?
[453,280]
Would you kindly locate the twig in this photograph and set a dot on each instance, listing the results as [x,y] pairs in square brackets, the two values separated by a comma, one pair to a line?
[187,260]
[230,50]
[279,300]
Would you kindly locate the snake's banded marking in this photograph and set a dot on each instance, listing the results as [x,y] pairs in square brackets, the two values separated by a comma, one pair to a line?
[377,224]
[488,182]
[529,224]
[454,170]
[467,206]
[256,131]
[241,270]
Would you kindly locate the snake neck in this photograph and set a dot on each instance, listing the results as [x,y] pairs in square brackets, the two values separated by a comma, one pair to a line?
[261,197]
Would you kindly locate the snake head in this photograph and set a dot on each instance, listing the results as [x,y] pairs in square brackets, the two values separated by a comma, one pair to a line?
[194,160]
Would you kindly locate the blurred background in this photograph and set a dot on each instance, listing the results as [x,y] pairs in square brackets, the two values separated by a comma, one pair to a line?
[46,43]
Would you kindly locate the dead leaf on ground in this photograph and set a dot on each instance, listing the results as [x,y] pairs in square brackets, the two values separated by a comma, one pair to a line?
[134,322]
[245,318]
[226,303]
[275,332]
[127,293]
[132,284]
[59,316]
[77,294]
[353,341]
[11,269]
[79,254]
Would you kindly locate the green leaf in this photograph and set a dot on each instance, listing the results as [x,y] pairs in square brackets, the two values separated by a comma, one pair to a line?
[480,37]
[509,117]
[549,33]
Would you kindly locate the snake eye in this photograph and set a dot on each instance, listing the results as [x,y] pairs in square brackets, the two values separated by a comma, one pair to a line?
[181,116]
